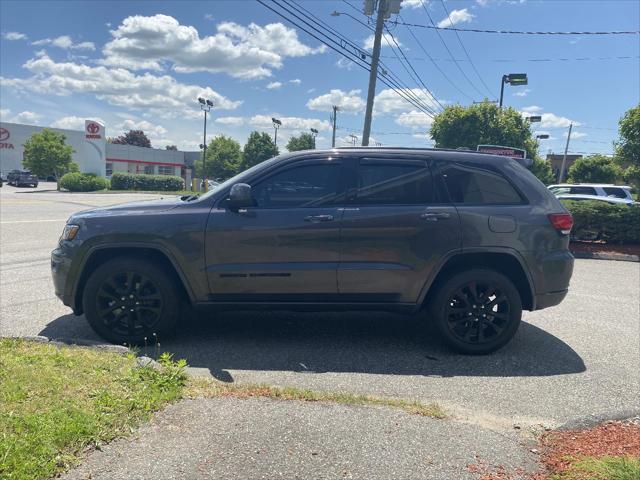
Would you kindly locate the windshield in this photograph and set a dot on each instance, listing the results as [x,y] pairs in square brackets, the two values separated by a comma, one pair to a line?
[237,178]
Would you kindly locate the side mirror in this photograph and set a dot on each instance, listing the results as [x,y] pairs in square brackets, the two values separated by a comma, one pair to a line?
[240,196]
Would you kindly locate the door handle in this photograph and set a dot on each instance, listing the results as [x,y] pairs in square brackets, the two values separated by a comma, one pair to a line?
[435,216]
[318,218]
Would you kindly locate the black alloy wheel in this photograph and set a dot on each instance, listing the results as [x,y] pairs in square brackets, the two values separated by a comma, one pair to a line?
[132,300]
[477,311]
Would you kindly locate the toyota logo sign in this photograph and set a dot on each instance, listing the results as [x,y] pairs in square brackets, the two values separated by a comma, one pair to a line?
[93,128]
[4,134]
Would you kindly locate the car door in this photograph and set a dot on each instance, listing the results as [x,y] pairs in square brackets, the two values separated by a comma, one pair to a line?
[287,246]
[395,231]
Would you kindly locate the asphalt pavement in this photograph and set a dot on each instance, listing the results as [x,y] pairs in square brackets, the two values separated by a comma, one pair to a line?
[579,360]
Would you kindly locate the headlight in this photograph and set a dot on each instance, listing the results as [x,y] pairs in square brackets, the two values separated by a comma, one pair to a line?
[69,232]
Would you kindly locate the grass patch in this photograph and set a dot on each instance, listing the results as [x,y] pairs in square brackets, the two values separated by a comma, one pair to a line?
[57,401]
[207,388]
[604,468]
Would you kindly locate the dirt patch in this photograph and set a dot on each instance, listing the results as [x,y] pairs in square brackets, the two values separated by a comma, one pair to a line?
[601,247]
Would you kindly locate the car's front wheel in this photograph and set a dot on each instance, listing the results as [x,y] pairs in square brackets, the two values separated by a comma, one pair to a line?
[127,300]
[477,311]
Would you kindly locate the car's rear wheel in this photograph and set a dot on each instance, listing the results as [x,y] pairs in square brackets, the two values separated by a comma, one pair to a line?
[128,300]
[477,311]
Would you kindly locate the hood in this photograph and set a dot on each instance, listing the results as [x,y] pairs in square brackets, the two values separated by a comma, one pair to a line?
[132,208]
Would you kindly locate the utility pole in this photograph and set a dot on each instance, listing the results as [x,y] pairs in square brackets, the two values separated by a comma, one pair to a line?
[333,118]
[373,74]
[564,158]
[354,138]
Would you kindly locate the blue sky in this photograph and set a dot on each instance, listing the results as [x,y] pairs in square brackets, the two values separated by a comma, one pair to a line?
[142,65]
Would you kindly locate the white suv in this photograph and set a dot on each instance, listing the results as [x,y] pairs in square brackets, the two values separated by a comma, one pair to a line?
[596,189]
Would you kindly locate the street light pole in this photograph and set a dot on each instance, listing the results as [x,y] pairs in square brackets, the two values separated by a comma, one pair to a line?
[513,79]
[276,124]
[564,157]
[205,106]
[504,80]
[314,134]
[373,73]
[333,117]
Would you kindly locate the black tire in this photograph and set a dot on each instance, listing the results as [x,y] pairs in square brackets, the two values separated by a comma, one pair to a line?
[477,311]
[127,299]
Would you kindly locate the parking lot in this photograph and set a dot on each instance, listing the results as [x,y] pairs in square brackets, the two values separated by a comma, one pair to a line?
[568,363]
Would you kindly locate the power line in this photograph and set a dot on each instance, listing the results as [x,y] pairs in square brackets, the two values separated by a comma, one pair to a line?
[465,50]
[411,67]
[517,32]
[436,65]
[449,51]
[344,52]
[505,60]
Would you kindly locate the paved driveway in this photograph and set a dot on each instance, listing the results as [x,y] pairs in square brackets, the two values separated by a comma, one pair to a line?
[578,359]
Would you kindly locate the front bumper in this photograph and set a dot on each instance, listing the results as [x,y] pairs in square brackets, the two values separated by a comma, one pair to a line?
[60,267]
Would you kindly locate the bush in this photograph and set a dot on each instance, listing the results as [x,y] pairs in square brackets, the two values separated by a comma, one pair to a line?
[83,182]
[594,169]
[134,181]
[602,221]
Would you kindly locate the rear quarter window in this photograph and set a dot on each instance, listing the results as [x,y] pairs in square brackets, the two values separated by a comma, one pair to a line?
[615,192]
[583,191]
[474,184]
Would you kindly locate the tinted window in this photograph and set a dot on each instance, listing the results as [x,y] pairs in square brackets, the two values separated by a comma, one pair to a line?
[302,186]
[583,191]
[393,183]
[475,184]
[615,192]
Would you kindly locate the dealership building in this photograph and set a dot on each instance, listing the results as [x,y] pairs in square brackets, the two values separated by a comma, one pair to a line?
[93,154]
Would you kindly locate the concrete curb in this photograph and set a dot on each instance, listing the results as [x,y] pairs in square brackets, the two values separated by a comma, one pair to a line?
[620,257]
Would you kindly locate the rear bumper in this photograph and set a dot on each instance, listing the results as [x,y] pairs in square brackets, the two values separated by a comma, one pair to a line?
[550,299]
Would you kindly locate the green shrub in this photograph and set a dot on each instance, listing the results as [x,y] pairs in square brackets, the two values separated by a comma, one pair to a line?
[83,182]
[602,221]
[135,181]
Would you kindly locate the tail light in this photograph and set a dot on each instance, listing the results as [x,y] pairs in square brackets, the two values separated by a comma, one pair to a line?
[562,222]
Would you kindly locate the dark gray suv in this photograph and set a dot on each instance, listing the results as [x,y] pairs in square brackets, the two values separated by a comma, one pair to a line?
[471,239]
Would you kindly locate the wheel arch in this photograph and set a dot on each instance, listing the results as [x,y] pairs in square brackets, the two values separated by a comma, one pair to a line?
[101,254]
[503,261]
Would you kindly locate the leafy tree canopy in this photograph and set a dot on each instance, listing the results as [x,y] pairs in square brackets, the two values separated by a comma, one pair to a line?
[223,159]
[133,137]
[594,169]
[259,147]
[482,124]
[542,169]
[628,147]
[46,153]
[304,141]
[171,147]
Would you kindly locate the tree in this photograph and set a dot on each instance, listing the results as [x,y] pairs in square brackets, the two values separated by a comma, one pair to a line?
[171,147]
[133,137]
[542,169]
[259,147]
[482,124]
[628,147]
[46,153]
[594,169]
[302,142]
[223,158]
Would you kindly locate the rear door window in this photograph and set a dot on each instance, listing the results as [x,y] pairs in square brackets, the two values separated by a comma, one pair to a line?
[583,191]
[383,182]
[474,184]
[615,192]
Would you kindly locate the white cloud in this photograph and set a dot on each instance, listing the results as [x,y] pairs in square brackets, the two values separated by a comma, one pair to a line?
[522,93]
[532,109]
[388,101]
[4,114]
[311,90]
[65,42]
[415,120]
[344,63]
[274,85]
[117,86]
[455,17]
[349,102]
[74,123]
[549,120]
[295,81]
[386,41]
[413,3]
[289,123]
[152,130]
[14,36]
[575,134]
[243,52]
[27,117]
[233,121]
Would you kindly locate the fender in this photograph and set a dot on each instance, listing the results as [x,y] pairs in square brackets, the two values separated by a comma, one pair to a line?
[454,253]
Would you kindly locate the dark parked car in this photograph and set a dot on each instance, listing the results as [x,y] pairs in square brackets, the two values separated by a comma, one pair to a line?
[19,178]
[472,239]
